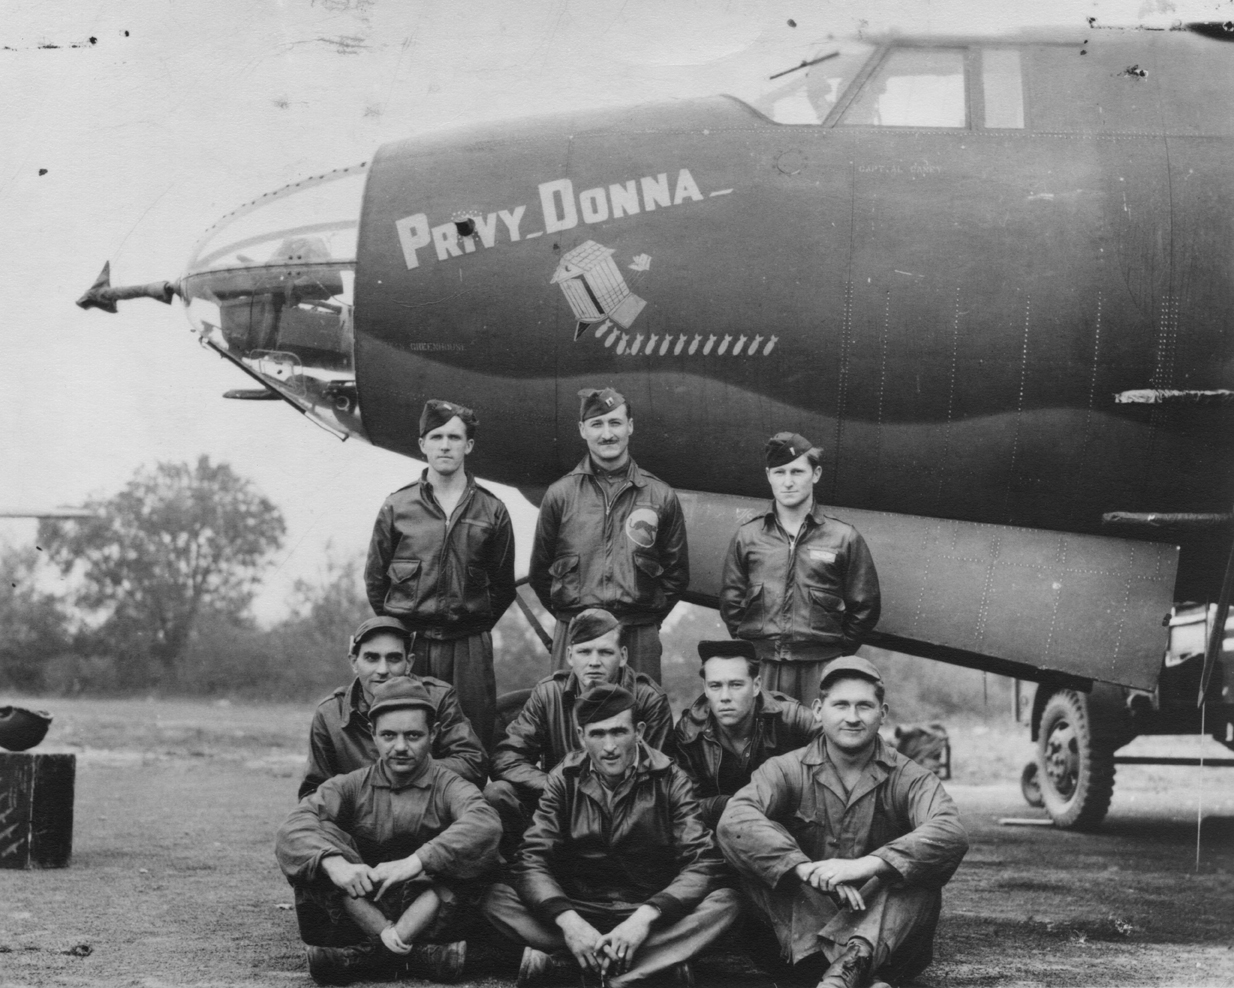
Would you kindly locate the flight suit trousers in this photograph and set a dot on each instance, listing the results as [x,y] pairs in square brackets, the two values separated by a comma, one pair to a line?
[642,643]
[664,947]
[899,920]
[796,679]
[467,665]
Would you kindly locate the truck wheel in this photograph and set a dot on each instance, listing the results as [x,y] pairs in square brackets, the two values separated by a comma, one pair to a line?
[1076,763]
[1030,786]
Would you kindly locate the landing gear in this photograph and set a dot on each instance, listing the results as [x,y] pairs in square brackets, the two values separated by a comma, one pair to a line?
[1075,761]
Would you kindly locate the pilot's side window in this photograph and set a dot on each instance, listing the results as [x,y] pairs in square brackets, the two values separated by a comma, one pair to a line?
[1002,88]
[914,87]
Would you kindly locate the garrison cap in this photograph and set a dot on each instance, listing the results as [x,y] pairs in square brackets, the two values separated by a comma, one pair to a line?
[784,447]
[850,665]
[374,625]
[401,692]
[736,648]
[437,413]
[598,401]
[602,702]
[589,625]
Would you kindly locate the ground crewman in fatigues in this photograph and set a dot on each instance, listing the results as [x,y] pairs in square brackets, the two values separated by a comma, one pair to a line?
[814,826]
[442,559]
[610,535]
[797,583]
[393,853]
[341,735]
[544,731]
[617,875]
[735,726]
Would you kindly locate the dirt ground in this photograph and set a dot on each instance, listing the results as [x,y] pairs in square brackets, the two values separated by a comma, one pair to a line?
[173,880]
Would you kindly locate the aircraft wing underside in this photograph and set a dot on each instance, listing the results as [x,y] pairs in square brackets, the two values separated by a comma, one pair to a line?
[1020,602]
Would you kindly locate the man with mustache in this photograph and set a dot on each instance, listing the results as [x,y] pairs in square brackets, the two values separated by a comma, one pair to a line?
[442,559]
[341,735]
[392,853]
[610,535]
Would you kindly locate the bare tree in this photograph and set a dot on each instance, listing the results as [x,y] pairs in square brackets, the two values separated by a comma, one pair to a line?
[178,540]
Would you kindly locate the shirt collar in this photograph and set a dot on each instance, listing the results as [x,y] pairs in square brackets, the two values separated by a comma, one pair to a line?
[625,680]
[633,474]
[382,779]
[357,706]
[815,515]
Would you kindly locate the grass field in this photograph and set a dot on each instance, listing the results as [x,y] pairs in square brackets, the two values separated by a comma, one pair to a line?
[173,880]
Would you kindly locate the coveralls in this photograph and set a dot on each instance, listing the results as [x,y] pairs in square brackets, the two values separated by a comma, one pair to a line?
[796,810]
[341,738]
[368,816]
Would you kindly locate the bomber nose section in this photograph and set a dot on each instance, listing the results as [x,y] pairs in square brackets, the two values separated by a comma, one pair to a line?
[271,288]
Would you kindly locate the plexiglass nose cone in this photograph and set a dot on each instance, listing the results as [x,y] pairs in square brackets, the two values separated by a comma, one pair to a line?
[271,288]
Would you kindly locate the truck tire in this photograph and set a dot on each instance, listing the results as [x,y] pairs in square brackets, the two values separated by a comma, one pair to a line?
[1075,761]
[1030,786]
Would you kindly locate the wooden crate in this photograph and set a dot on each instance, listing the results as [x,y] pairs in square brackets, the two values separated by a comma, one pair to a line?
[36,809]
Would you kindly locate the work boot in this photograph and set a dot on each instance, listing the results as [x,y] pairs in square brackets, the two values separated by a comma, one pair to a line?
[539,968]
[852,968]
[340,965]
[437,961]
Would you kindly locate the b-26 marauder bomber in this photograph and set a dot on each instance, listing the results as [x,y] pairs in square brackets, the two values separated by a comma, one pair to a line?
[993,277]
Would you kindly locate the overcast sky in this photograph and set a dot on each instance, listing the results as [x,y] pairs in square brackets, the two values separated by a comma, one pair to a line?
[153,118]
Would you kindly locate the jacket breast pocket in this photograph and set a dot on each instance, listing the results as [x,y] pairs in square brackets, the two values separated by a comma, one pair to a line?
[826,612]
[566,588]
[404,577]
[752,616]
[647,572]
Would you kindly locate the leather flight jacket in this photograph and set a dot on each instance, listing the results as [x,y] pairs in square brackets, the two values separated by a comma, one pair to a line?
[444,578]
[809,598]
[544,731]
[781,725]
[628,555]
[646,843]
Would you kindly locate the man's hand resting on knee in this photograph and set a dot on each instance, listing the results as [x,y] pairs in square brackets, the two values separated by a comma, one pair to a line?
[843,876]
[354,879]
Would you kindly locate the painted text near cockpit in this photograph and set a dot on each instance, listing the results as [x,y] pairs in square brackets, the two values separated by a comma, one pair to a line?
[560,208]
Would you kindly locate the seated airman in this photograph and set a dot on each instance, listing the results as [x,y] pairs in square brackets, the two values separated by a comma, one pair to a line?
[735,726]
[544,731]
[617,874]
[341,738]
[394,853]
[844,846]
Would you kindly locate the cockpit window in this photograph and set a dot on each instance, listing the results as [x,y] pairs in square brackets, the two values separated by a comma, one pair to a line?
[914,87]
[805,91]
[1002,88]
